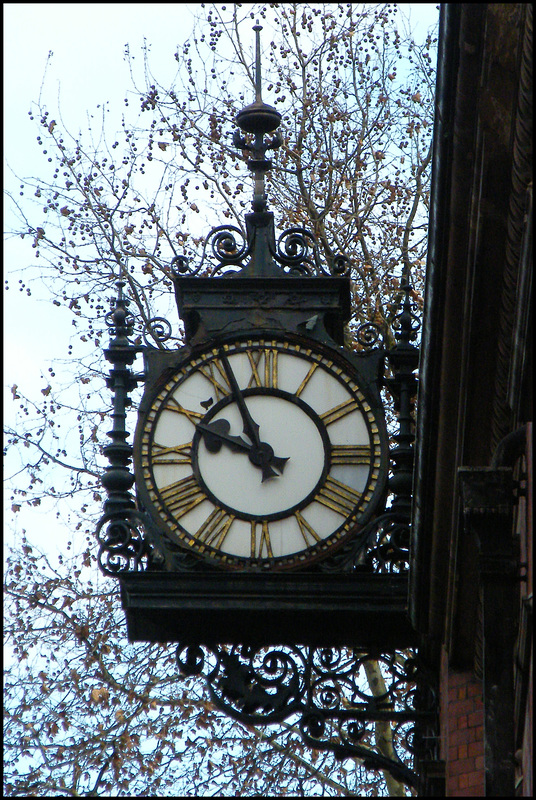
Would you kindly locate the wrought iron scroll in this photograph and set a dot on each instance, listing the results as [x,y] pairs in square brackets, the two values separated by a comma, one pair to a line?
[378,707]
[367,335]
[156,329]
[225,244]
[404,359]
[123,545]
[226,250]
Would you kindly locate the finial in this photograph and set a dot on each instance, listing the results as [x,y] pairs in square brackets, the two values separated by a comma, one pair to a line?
[258,118]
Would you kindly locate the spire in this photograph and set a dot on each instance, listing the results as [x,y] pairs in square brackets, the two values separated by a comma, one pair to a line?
[258,118]
[296,252]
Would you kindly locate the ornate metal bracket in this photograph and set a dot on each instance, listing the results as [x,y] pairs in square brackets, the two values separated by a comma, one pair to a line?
[404,359]
[383,546]
[377,707]
[156,329]
[123,545]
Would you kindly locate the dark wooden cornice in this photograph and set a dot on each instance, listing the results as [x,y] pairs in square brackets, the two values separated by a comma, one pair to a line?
[513,393]
[477,223]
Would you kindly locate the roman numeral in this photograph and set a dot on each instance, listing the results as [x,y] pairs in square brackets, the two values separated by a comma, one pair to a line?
[338,412]
[175,406]
[182,496]
[338,496]
[264,547]
[350,454]
[216,375]
[307,378]
[254,363]
[182,454]
[270,368]
[215,528]
[267,375]
[307,531]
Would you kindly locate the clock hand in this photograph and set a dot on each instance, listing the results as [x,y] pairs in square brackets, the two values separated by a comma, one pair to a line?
[251,428]
[261,455]
[217,433]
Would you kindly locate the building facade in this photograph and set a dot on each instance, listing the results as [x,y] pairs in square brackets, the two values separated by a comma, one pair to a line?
[471,565]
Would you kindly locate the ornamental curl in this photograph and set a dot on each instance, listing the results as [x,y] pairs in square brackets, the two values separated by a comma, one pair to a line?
[407,322]
[327,659]
[158,329]
[122,546]
[391,550]
[190,659]
[120,320]
[367,335]
[340,265]
[255,685]
[312,725]
[297,250]
[180,265]
[225,248]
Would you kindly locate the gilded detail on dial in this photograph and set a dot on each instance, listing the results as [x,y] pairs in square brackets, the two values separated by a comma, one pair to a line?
[261,453]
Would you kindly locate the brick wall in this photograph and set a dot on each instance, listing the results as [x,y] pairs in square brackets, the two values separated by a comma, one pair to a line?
[462,732]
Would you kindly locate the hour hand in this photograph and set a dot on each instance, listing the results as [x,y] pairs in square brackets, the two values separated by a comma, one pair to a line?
[217,433]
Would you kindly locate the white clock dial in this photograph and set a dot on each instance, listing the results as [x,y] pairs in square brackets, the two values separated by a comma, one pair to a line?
[262,453]
[292,434]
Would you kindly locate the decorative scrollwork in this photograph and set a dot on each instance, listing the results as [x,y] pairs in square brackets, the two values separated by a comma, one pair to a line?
[297,251]
[255,684]
[158,329]
[190,659]
[180,265]
[367,335]
[408,320]
[388,551]
[123,547]
[340,265]
[343,698]
[225,248]
[119,319]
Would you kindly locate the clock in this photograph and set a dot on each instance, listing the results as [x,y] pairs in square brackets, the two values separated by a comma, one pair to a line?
[262,453]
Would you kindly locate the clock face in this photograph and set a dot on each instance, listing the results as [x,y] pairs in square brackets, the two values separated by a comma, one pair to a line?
[261,454]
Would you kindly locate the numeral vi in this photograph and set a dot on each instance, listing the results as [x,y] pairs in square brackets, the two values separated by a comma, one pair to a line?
[261,546]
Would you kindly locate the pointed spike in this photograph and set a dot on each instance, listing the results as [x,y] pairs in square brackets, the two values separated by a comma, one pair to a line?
[258,28]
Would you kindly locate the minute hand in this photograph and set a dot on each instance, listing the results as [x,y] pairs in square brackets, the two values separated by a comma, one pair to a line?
[251,428]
